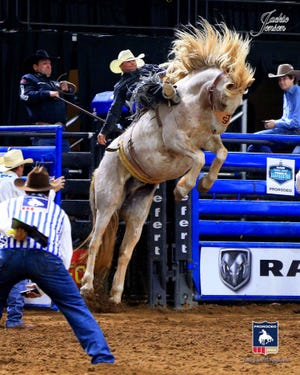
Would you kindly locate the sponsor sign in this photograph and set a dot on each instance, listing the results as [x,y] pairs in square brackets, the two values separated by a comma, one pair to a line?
[280,176]
[249,271]
[265,337]
[235,267]
[78,266]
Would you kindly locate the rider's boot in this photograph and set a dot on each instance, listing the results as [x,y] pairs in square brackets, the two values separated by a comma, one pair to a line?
[169,92]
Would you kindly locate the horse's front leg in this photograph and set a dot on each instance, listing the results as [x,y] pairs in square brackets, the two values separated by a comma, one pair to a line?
[207,181]
[188,181]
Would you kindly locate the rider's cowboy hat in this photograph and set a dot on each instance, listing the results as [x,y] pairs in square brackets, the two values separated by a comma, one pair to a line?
[284,70]
[13,159]
[37,180]
[40,54]
[126,55]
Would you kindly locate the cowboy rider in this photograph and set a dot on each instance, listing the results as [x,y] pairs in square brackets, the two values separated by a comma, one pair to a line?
[133,69]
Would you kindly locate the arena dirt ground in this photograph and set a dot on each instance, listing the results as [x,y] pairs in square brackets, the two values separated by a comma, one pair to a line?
[204,340]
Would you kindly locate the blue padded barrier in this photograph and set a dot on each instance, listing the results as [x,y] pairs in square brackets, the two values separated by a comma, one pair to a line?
[242,161]
[48,155]
[242,211]
[244,207]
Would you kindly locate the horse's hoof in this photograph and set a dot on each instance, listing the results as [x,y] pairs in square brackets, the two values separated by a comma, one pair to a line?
[116,299]
[85,290]
[178,197]
[201,188]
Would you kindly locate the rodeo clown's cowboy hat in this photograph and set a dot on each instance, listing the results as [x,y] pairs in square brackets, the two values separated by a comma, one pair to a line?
[40,54]
[126,55]
[37,181]
[285,70]
[13,159]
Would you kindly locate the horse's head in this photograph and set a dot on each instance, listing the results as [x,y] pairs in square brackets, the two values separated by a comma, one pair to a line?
[219,49]
[224,97]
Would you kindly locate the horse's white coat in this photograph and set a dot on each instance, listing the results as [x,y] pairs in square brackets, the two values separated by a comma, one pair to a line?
[170,151]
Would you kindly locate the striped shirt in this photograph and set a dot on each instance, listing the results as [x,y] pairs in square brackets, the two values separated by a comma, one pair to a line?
[37,210]
[7,186]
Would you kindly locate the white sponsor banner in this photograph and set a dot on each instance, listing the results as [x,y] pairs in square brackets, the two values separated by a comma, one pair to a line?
[280,176]
[235,271]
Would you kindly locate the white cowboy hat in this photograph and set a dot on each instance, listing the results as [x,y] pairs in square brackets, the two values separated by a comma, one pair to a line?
[13,159]
[126,55]
[285,70]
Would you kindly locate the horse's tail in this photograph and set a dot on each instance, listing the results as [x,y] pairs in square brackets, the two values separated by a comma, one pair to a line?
[92,199]
[106,250]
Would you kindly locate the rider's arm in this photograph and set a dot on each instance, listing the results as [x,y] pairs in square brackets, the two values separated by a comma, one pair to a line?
[114,113]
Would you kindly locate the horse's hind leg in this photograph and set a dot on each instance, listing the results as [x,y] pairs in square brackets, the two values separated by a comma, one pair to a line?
[96,241]
[134,213]
[107,200]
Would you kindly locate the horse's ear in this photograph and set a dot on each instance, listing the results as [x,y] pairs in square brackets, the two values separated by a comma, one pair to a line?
[250,82]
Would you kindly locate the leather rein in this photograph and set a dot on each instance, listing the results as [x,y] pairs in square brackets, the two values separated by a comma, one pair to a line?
[222,117]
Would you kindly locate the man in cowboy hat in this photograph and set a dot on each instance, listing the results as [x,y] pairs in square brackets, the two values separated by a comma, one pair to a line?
[135,75]
[41,94]
[289,123]
[12,167]
[46,264]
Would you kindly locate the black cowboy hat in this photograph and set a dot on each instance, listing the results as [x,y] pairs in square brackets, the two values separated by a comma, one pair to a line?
[40,54]
[37,180]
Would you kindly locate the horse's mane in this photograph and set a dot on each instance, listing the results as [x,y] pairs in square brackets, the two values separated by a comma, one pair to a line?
[205,46]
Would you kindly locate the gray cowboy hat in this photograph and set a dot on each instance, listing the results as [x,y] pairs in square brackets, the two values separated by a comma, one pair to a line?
[126,55]
[37,180]
[40,54]
[284,70]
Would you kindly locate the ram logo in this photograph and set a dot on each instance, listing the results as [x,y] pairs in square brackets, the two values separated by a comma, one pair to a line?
[235,267]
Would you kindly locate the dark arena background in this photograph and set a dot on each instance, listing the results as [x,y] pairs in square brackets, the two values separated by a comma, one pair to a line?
[87,35]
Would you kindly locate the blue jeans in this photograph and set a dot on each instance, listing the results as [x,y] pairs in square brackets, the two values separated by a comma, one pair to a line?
[52,277]
[259,147]
[15,305]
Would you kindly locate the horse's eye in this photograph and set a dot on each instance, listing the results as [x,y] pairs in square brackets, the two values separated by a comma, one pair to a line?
[222,106]
[229,86]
